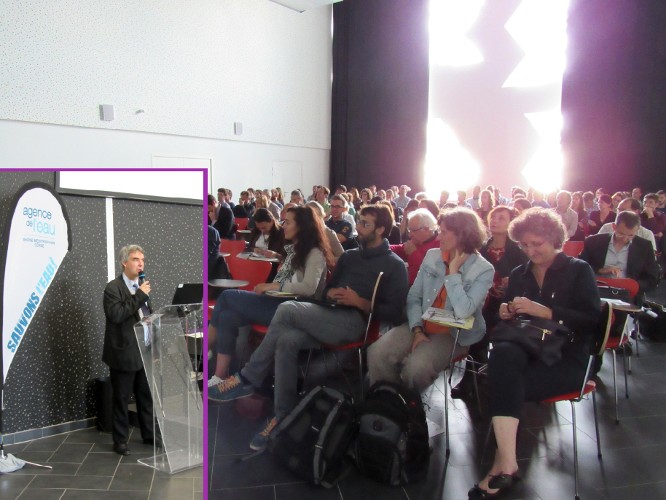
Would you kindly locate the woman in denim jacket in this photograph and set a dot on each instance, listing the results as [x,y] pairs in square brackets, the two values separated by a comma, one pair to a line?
[454,277]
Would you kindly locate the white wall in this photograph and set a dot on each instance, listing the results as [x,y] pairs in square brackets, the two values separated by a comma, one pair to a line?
[195,67]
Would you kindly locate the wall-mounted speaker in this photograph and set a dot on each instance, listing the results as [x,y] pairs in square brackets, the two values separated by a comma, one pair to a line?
[106,112]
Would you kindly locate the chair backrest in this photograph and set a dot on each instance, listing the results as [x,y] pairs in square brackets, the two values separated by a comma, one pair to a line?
[573,248]
[603,328]
[242,223]
[374,331]
[628,284]
[601,335]
[254,271]
[234,247]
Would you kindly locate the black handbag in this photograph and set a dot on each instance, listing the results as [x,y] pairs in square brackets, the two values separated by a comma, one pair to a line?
[611,292]
[543,339]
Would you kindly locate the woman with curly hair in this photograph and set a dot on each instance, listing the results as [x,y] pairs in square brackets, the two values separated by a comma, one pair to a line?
[552,286]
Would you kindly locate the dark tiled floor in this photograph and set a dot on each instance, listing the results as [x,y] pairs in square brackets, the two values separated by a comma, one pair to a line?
[85,467]
[633,464]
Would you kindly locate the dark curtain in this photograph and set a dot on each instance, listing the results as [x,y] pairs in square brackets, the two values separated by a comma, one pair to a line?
[614,95]
[380,92]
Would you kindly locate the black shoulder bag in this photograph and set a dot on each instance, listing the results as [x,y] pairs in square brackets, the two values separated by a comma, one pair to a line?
[543,339]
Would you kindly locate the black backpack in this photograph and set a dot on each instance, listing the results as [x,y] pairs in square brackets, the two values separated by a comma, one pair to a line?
[314,438]
[392,445]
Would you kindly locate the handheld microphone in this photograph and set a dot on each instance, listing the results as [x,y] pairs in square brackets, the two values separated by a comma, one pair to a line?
[142,277]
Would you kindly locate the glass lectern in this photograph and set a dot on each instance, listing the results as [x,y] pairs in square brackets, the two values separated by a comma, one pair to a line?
[163,339]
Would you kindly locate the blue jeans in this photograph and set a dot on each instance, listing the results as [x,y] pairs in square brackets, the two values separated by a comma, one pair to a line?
[237,308]
[298,326]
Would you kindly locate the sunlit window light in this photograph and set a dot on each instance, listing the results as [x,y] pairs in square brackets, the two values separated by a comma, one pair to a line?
[448,164]
[450,21]
[544,170]
[540,29]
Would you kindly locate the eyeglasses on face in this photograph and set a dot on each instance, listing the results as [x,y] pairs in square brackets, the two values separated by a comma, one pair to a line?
[337,206]
[416,230]
[365,223]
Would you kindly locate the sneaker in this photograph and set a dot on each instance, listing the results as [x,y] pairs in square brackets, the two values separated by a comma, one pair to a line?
[214,380]
[229,389]
[260,441]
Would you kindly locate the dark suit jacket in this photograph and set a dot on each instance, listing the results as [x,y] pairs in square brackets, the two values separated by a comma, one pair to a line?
[641,263]
[121,309]
[225,222]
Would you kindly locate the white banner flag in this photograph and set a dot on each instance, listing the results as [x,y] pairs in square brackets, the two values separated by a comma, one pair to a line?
[37,238]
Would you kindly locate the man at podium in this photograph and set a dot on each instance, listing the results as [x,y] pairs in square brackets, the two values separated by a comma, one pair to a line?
[126,301]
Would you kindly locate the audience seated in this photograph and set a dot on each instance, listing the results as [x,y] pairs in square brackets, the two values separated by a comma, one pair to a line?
[601,216]
[553,286]
[661,206]
[568,216]
[519,270]
[402,199]
[300,325]
[422,231]
[333,241]
[622,254]
[393,235]
[485,205]
[538,199]
[505,255]
[474,201]
[245,207]
[520,204]
[652,219]
[453,277]
[631,205]
[321,197]
[578,206]
[267,237]
[411,206]
[339,224]
[303,273]
[221,218]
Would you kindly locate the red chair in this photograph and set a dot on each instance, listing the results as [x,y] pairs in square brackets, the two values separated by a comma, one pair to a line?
[588,386]
[372,328]
[573,248]
[619,336]
[242,223]
[233,247]
[253,271]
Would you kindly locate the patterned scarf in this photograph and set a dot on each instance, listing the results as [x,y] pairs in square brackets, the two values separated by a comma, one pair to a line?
[286,270]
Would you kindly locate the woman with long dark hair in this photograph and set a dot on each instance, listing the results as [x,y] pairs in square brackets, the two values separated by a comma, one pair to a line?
[302,273]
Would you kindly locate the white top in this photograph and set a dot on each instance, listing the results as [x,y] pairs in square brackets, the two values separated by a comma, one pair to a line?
[262,241]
